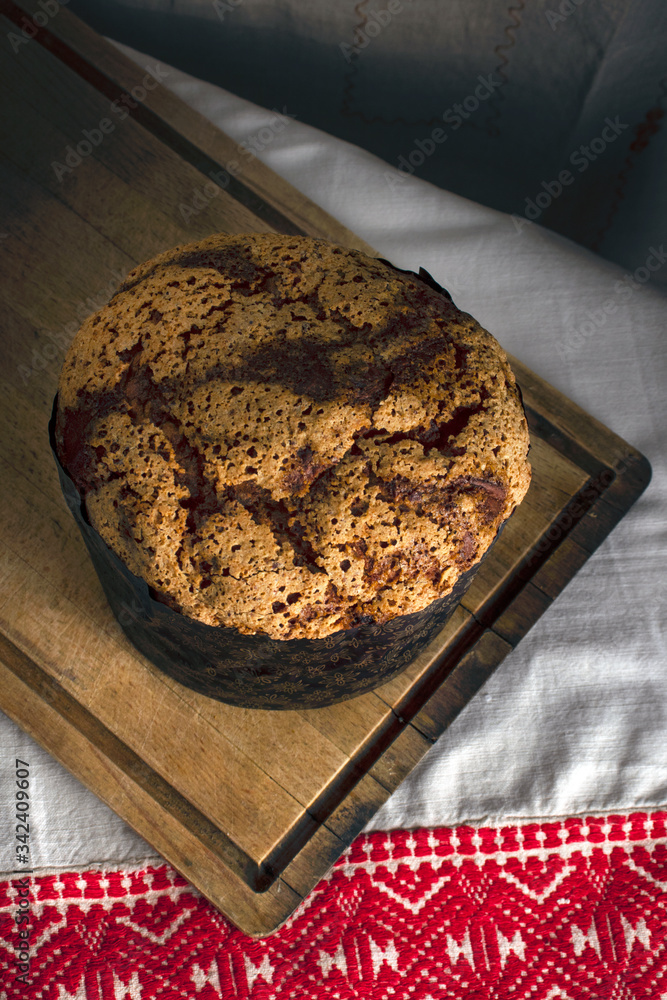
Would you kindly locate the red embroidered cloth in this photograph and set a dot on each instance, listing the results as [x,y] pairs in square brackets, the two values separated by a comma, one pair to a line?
[551,911]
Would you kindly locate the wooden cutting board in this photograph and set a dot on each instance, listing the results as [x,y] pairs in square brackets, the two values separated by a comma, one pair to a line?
[251,806]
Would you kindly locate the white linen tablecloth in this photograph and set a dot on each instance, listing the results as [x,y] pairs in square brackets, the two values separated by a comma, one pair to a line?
[574,720]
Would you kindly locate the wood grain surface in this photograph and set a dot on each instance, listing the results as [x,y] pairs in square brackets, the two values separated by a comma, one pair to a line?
[251,806]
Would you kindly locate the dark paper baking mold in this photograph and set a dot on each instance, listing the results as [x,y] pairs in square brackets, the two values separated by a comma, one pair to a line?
[255,671]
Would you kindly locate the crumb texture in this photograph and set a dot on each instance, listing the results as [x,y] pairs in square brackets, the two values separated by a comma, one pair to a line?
[284,436]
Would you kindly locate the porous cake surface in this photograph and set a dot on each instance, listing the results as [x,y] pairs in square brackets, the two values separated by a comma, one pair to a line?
[284,436]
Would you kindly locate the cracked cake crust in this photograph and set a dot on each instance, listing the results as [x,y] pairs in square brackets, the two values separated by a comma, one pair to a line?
[284,436]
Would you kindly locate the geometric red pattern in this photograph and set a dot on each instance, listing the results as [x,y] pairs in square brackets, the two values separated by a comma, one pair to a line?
[562,910]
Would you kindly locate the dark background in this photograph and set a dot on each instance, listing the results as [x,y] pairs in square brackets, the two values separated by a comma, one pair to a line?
[560,70]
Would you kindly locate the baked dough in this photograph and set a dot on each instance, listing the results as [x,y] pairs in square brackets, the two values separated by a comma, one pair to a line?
[285,436]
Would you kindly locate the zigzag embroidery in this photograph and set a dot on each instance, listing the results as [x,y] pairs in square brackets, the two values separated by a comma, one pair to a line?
[409,904]
[586,919]
[647,875]
[539,897]
[149,935]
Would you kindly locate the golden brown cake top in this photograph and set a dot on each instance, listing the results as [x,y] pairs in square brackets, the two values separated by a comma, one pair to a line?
[285,436]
